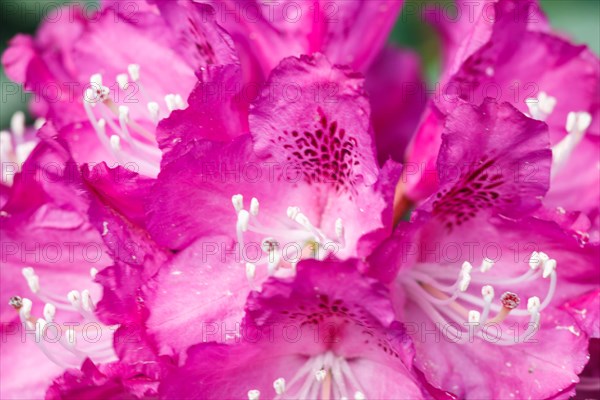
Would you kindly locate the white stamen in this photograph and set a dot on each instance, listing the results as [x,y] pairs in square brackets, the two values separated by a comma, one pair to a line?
[465,276]
[71,338]
[33,281]
[292,212]
[154,110]
[134,72]
[39,122]
[533,304]
[302,220]
[465,280]
[124,114]
[273,264]
[25,310]
[86,300]
[90,97]
[254,205]
[576,126]
[486,265]
[96,80]
[474,316]
[339,229]
[93,272]
[6,143]
[541,107]
[549,267]
[584,121]
[179,102]
[122,81]
[547,103]
[320,375]
[466,267]
[488,293]
[74,298]
[250,271]
[23,150]
[254,394]
[238,202]
[102,126]
[279,385]
[359,396]
[17,124]
[49,312]
[534,260]
[170,102]
[115,142]
[243,220]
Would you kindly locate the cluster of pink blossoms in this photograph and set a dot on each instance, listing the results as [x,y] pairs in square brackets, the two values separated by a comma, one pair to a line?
[247,199]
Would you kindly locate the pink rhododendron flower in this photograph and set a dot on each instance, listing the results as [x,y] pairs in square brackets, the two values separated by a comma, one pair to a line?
[485,278]
[307,337]
[314,190]
[542,75]
[115,76]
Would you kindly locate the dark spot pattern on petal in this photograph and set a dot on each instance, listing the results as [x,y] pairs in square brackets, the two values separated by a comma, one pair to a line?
[326,154]
[476,190]
[333,315]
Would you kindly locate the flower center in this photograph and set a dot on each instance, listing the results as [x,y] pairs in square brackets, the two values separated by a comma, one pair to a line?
[285,241]
[129,139]
[446,300]
[324,376]
[69,343]
[577,123]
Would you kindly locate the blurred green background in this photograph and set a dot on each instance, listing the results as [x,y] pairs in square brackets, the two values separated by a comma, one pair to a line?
[579,19]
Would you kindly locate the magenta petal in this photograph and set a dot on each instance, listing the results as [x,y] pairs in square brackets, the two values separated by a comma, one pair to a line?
[585,310]
[123,189]
[241,368]
[480,168]
[45,226]
[136,259]
[24,370]
[423,246]
[116,380]
[208,174]
[397,94]
[519,365]
[266,34]
[17,57]
[197,296]
[576,187]
[217,111]
[355,338]
[350,38]
[196,33]
[324,126]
